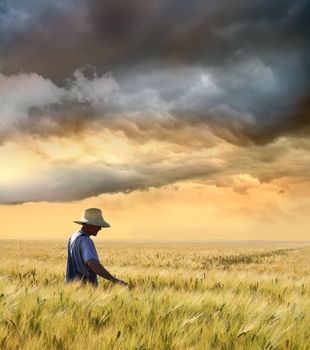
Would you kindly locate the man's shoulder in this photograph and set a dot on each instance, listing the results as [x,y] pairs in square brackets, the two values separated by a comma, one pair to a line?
[82,239]
[86,240]
[76,236]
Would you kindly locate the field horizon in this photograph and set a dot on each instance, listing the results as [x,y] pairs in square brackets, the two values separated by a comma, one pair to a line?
[198,241]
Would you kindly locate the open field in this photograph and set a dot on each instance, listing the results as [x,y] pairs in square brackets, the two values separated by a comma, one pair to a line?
[184,296]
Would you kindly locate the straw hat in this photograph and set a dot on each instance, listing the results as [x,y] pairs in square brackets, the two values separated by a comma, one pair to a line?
[93,216]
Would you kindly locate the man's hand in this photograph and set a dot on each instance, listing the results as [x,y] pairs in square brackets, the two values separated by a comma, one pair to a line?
[97,267]
[122,283]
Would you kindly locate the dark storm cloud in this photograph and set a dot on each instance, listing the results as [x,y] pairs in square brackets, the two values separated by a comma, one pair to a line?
[240,104]
[118,33]
[138,39]
[188,73]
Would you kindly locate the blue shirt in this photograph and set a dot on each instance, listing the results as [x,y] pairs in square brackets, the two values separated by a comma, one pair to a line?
[80,250]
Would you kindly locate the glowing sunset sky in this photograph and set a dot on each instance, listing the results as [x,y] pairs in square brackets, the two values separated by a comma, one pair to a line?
[180,119]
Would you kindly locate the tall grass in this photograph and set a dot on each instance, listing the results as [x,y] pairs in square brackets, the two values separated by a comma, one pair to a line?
[184,296]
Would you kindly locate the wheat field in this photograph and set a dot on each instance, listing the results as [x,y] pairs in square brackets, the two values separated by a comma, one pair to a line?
[195,295]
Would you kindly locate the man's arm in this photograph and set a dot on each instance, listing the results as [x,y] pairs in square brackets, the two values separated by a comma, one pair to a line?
[97,267]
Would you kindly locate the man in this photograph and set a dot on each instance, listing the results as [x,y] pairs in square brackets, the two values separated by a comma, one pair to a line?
[83,262]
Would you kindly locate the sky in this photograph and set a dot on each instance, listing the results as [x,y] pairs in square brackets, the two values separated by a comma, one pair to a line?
[181,120]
